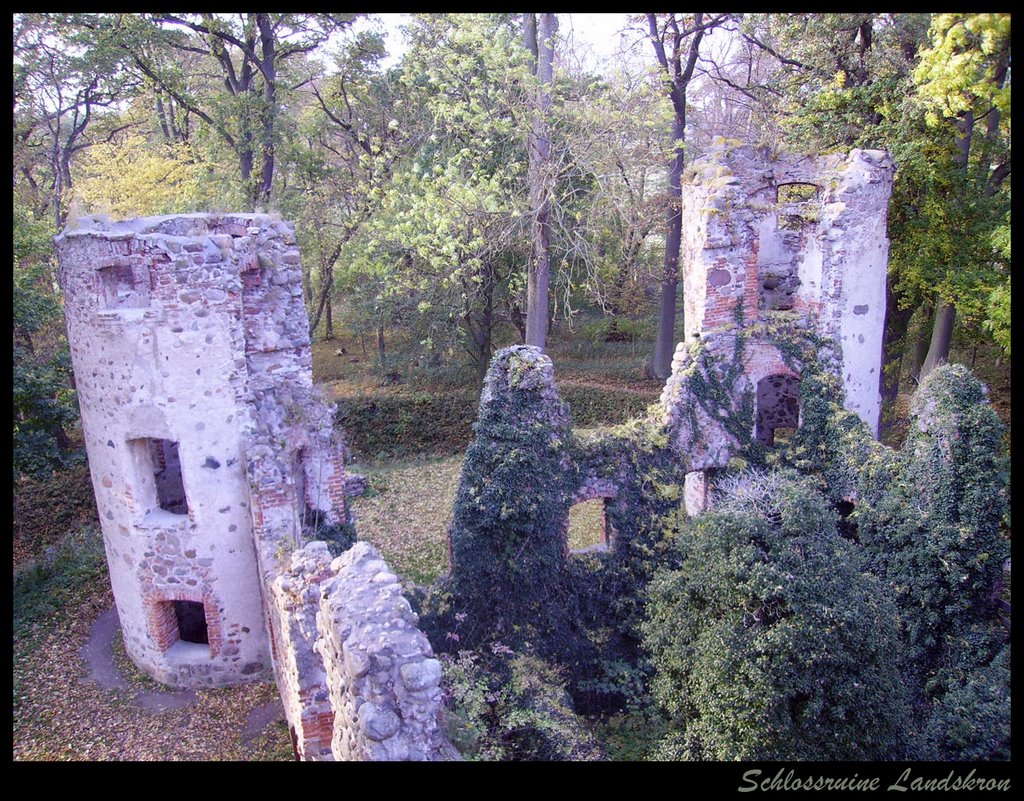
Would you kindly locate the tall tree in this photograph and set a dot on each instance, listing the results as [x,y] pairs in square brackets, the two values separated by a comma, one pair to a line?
[64,78]
[539,36]
[250,52]
[964,79]
[447,248]
[676,40]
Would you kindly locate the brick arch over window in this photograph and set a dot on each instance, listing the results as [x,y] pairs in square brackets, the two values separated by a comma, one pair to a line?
[162,619]
[775,385]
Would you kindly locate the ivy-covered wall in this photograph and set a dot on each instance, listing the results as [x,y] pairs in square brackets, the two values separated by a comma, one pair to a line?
[902,550]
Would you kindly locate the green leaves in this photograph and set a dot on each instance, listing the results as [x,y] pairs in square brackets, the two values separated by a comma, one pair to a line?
[770,642]
[964,67]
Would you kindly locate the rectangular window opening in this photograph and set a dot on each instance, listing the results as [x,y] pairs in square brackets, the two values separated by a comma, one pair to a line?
[122,288]
[588,529]
[191,617]
[170,487]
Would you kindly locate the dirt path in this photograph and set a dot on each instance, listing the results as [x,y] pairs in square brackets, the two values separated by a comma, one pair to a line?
[103,670]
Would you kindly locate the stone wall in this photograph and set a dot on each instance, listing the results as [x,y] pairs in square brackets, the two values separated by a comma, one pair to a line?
[359,680]
[207,441]
[155,315]
[769,235]
[213,457]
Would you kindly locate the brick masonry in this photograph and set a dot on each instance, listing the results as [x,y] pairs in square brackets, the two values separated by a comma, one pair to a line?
[817,254]
[209,447]
[359,680]
[189,337]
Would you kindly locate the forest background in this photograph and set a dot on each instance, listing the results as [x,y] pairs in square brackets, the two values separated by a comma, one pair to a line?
[485,182]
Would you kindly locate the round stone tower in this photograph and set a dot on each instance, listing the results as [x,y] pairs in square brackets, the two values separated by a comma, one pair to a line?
[180,329]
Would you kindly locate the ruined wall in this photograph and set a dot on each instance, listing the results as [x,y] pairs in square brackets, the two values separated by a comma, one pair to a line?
[155,322]
[360,681]
[206,440]
[800,237]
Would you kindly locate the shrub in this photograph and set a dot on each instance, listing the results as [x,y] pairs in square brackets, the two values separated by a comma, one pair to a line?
[972,721]
[407,424]
[508,706]
[56,582]
[769,642]
[933,531]
[49,506]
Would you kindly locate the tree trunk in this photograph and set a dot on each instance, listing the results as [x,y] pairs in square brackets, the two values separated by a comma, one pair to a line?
[163,120]
[382,355]
[485,343]
[921,340]
[539,273]
[942,333]
[676,78]
[328,320]
[326,285]
[664,347]
[893,347]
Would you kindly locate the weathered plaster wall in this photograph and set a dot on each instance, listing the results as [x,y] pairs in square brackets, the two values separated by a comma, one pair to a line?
[156,324]
[210,452]
[192,358]
[749,253]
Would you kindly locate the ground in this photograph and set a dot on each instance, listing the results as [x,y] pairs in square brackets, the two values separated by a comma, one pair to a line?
[62,594]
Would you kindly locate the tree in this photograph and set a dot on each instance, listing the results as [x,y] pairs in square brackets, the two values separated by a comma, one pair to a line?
[683,37]
[64,77]
[251,52]
[539,36]
[606,204]
[342,155]
[963,79]
[44,403]
[451,235]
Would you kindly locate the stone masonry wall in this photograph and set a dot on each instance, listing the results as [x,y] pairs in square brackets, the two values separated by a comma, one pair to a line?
[360,681]
[770,235]
[208,445]
[155,314]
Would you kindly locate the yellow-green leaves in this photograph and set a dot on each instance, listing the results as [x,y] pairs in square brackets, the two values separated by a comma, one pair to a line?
[961,70]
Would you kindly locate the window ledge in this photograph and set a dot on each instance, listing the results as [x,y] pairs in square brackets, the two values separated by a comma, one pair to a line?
[161,518]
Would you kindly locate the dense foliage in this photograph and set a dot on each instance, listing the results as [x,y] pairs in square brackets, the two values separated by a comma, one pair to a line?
[45,409]
[770,641]
[508,562]
[932,529]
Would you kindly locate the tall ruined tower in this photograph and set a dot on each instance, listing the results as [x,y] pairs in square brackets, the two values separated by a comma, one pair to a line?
[796,239]
[207,447]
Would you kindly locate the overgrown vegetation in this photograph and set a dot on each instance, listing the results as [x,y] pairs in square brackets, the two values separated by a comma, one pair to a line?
[769,641]
[408,184]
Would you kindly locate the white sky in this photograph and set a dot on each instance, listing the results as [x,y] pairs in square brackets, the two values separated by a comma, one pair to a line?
[592,37]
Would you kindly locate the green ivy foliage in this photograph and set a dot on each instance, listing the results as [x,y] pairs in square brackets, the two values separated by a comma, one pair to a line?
[508,560]
[771,642]
[934,534]
[972,721]
[512,707]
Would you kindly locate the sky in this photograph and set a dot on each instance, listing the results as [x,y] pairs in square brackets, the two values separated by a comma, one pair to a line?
[594,37]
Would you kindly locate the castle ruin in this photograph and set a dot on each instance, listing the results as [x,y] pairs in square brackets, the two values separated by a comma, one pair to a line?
[213,463]
[216,466]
